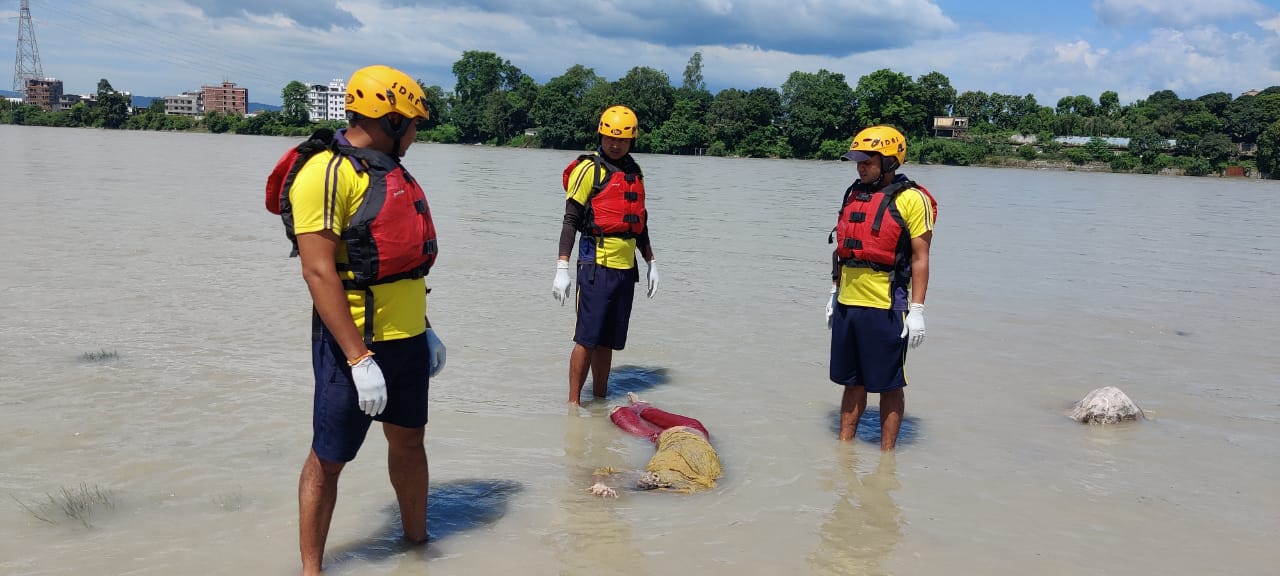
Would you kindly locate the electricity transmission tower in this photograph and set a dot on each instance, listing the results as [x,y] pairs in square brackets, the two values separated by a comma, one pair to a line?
[26,64]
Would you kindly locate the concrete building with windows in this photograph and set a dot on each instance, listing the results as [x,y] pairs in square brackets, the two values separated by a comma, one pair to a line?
[225,98]
[69,101]
[328,102]
[45,93]
[185,104]
[950,126]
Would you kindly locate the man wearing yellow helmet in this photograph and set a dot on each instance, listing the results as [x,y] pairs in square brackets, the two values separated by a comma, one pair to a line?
[364,234]
[605,202]
[880,271]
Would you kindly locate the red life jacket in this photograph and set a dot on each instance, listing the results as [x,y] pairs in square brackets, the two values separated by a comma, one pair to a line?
[615,206]
[391,236]
[865,238]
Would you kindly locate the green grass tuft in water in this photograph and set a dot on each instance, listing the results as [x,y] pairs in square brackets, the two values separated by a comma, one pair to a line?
[76,503]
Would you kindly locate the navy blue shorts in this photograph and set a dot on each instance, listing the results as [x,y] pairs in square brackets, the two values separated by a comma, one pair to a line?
[604,305]
[867,348]
[338,426]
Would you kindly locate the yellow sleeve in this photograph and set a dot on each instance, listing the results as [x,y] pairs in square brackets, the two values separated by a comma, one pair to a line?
[581,180]
[320,194]
[916,210]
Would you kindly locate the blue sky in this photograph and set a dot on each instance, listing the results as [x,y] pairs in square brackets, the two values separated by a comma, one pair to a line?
[1049,49]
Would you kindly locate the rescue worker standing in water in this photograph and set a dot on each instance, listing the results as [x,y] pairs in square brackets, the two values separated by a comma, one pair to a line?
[880,272]
[366,240]
[605,202]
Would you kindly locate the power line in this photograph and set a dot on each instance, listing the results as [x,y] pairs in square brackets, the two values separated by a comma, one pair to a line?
[157,43]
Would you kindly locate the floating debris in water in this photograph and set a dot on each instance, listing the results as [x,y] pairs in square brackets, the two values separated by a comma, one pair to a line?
[1108,405]
[100,356]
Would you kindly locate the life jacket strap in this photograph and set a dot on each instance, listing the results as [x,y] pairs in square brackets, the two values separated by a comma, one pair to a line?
[878,267]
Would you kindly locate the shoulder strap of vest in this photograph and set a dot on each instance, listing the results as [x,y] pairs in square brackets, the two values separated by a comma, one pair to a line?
[890,193]
[369,158]
[319,140]
[848,192]
[602,170]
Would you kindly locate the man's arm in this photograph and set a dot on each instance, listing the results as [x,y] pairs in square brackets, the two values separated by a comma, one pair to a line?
[642,241]
[920,266]
[317,251]
[573,212]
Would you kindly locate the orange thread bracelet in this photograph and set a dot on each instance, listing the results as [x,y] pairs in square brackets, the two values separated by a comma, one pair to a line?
[367,353]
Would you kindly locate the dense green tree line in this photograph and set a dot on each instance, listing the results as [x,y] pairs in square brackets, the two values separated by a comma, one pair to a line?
[811,115]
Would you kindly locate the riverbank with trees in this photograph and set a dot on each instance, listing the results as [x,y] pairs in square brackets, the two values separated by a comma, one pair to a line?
[812,115]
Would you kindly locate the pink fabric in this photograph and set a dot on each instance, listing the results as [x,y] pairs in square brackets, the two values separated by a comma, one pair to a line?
[648,422]
[628,419]
[664,420]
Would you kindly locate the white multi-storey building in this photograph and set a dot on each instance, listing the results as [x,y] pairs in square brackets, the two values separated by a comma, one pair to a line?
[328,102]
[185,104]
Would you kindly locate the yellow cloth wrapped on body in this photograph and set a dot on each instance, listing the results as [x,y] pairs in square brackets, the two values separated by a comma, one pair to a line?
[684,462]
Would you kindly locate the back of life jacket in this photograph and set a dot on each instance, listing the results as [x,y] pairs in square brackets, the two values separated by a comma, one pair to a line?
[281,178]
[615,206]
[865,238]
[391,236]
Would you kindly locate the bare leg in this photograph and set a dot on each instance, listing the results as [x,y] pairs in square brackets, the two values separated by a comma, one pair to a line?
[852,404]
[579,362]
[317,495]
[407,466]
[892,405]
[601,360]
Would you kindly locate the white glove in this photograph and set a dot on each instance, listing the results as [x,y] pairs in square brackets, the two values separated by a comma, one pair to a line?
[435,351]
[831,304]
[653,278]
[560,287]
[371,388]
[913,328]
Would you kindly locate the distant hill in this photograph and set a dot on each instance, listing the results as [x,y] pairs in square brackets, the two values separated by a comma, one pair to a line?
[144,101]
[259,107]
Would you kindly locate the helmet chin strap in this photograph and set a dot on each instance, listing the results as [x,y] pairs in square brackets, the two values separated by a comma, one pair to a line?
[887,165]
[395,131]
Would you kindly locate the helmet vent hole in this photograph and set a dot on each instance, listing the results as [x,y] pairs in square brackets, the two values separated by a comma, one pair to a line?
[380,96]
[359,92]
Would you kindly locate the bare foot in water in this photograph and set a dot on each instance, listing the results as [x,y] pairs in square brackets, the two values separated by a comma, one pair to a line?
[636,401]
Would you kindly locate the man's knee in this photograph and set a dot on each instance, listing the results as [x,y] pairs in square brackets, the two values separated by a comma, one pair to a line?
[329,469]
[892,400]
[401,438]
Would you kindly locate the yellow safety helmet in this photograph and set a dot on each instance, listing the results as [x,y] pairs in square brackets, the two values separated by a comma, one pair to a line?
[619,122]
[375,91]
[883,140]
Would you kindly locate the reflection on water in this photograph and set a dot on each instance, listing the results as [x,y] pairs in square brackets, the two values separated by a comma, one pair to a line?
[869,424]
[589,535]
[626,378]
[452,507]
[864,526]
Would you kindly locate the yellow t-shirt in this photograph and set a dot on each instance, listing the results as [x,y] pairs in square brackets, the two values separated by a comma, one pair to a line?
[325,196]
[869,288]
[610,252]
